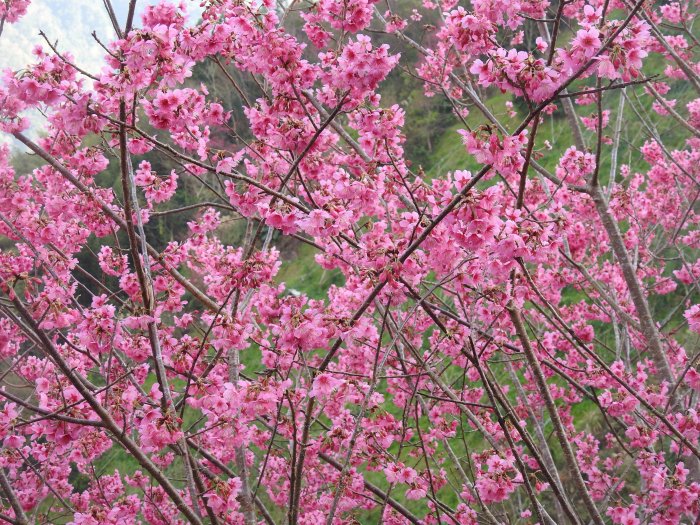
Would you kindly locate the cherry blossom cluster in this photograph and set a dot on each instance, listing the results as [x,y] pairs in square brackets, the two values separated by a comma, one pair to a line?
[512,341]
[12,10]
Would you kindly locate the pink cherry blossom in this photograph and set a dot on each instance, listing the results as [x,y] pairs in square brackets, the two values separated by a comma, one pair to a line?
[352,261]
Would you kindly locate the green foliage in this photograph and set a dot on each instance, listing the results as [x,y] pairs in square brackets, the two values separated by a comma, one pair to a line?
[301,273]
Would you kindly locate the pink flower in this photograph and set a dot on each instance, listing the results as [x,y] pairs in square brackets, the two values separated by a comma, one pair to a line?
[13,441]
[13,10]
[407,475]
[392,472]
[623,515]
[692,379]
[692,315]
[416,493]
[498,482]
[587,40]
[324,384]
[606,69]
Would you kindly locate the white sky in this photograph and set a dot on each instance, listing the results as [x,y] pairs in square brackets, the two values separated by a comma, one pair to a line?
[71,22]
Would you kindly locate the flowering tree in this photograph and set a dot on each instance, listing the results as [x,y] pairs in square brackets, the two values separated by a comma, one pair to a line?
[511,342]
